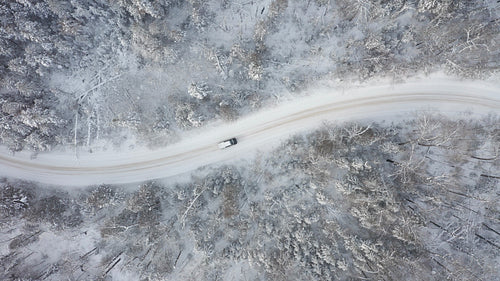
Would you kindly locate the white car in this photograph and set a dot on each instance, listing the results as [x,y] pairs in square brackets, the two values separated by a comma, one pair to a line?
[227,143]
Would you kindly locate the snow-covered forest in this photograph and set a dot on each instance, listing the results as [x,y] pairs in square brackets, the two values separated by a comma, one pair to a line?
[89,72]
[415,200]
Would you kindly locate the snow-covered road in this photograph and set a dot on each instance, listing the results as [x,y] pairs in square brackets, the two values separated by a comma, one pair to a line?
[258,131]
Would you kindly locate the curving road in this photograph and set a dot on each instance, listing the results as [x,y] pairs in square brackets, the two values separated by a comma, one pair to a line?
[259,131]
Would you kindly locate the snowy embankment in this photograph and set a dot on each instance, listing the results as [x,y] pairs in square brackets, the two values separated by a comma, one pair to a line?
[258,131]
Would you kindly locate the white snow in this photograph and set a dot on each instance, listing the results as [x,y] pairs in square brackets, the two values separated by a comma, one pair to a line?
[380,99]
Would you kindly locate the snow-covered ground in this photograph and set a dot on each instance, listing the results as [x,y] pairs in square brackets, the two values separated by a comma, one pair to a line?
[259,131]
